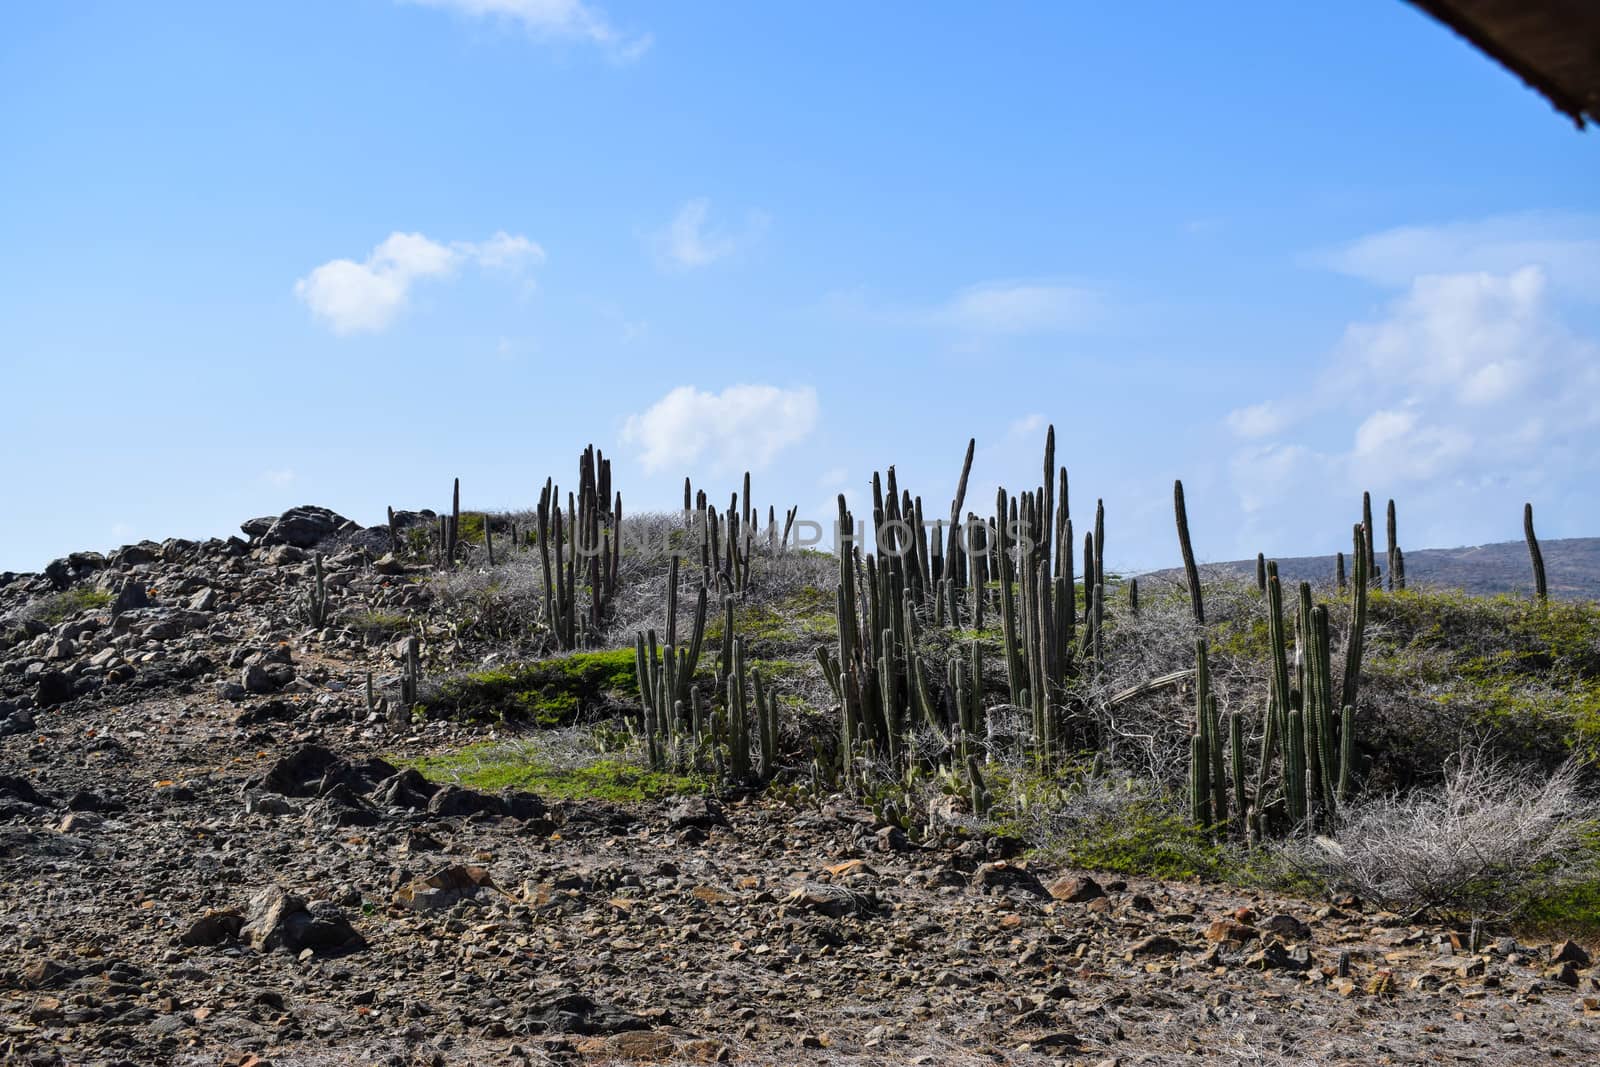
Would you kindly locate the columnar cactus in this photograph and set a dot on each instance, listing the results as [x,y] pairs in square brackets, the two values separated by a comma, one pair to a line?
[316,608]
[1190,570]
[411,680]
[1394,544]
[1540,590]
[1355,638]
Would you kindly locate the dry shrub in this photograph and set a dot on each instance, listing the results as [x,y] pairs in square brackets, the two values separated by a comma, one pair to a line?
[1150,734]
[1483,843]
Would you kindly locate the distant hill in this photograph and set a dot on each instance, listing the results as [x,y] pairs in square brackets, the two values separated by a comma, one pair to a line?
[1572,567]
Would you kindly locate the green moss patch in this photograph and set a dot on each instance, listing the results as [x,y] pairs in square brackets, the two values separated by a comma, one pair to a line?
[492,767]
[62,606]
[552,692]
[805,616]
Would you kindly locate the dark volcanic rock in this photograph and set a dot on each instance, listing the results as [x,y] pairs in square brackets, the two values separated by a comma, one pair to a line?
[279,919]
[302,527]
[14,787]
[313,770]
[53,688]
[130,597]
[408,789]
[700,812]
[454,800]
[213,928]
[571,1012]
[300,773]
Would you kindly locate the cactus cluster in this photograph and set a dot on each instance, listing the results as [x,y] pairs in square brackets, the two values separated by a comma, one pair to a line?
[912,694]
[1306,768]
[669,704]
[580,548]
[1018,563]
[725,540]
[316,609]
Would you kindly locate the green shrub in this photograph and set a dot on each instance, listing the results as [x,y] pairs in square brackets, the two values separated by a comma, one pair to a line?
[552,692]
[470,529]
[1151,840]
[1524,673]
[59,607]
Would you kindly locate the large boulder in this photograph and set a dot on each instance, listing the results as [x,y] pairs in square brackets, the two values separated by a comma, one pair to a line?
[313,771]
[279,919]
[130,597]
[303,527]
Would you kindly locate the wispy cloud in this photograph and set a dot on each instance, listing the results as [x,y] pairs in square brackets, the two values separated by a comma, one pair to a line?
[366,297]
[1258,420]
[280,477]
[1027,426]
[1020,307]
[744,427]
[1566,247]
[571,20]
[690,241]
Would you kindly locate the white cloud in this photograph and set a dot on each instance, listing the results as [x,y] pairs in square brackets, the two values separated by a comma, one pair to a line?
[741,428]
[1466,395]
[688,241]
[504,251]
[555,19]
[1476,336]
[1257,420]
[279,477]
[1566,247]
[362,297]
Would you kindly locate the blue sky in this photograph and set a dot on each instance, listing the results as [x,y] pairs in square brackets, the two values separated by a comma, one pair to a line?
[255,255]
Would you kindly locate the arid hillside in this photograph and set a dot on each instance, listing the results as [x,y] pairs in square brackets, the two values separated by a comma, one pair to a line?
[516,788]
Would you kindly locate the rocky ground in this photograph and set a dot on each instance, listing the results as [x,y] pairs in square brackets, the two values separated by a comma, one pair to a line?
[210,854]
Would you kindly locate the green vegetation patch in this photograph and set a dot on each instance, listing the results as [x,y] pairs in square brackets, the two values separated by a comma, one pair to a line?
[62,606]
[1527,671]
[470,529]
[552,692]
[1152,842]
[806,615]
[491,767]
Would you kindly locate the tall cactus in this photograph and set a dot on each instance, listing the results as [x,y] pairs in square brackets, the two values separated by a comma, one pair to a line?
[1190,570]
[316,608]
[1540,590]
[1355,638]
[411,680]
[1367,540]
[1201,764]
[1393,543]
